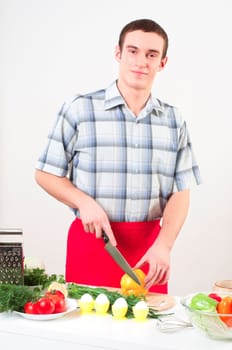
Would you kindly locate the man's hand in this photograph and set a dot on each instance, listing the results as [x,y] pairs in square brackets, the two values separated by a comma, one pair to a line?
[158,258]
[95,219]
[158,255]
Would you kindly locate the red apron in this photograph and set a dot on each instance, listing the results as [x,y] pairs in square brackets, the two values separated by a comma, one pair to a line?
[87,262]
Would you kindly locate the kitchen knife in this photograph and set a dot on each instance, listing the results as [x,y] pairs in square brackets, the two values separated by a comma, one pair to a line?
[118,258]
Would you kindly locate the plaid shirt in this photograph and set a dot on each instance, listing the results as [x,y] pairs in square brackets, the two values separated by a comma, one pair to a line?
[130,165]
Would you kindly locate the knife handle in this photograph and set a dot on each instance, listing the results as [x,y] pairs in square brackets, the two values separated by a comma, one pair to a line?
[105,237]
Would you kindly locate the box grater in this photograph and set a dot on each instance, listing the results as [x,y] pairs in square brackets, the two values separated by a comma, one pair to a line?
[11,256]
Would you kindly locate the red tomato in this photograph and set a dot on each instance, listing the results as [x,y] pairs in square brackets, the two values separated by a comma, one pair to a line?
[225,307]
[55,292]
[29,308]
[215,296]
[59,300]
[60,306]
[54,297]
[58,292]
[45,306]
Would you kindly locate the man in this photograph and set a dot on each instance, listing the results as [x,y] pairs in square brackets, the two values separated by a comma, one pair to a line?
[122,160]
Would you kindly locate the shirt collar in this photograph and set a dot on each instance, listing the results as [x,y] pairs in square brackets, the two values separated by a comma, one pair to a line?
[113,98]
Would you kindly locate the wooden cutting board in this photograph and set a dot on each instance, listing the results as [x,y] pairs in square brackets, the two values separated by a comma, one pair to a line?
[160,302]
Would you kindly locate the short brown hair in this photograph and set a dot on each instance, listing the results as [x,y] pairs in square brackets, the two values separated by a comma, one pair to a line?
[146,25]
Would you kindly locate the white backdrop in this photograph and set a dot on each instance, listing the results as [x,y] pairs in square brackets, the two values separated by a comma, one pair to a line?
[51,49]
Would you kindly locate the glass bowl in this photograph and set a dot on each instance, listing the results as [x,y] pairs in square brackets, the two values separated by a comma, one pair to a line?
[209,323]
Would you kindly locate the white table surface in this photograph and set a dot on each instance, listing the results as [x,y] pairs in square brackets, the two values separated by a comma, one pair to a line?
[88,332]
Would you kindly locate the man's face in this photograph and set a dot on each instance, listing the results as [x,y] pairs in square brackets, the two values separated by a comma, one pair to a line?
[140,59]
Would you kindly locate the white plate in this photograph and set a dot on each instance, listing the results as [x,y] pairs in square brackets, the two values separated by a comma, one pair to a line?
[71,306]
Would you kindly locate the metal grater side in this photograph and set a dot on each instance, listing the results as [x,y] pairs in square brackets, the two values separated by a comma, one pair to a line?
[11,256]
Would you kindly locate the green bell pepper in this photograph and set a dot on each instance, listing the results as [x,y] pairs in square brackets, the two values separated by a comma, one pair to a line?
[202,302]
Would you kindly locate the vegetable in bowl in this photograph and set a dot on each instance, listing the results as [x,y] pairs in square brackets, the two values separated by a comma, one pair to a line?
[211,313]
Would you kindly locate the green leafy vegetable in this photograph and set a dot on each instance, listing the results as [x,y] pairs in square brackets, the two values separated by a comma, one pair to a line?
[38,277]
[14,297]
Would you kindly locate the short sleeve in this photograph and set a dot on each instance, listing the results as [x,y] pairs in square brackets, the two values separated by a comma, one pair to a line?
[187,173]
[58,151]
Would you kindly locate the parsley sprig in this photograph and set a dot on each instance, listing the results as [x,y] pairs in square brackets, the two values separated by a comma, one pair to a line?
[39,277]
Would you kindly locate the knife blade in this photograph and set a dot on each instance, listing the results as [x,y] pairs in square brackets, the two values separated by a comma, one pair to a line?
[119,258]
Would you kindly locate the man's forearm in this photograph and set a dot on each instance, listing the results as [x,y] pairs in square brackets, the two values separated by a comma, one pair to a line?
[60,188]
[174,217]
[92,215]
